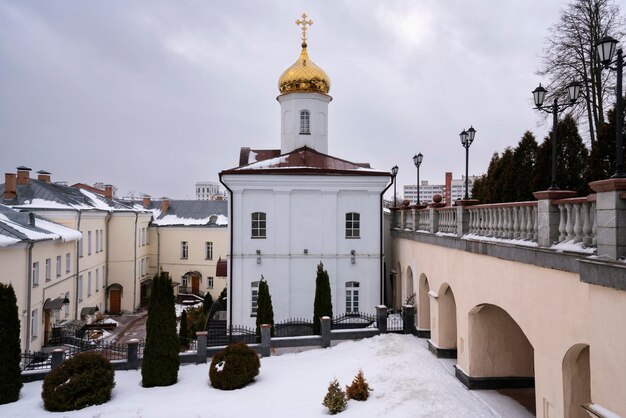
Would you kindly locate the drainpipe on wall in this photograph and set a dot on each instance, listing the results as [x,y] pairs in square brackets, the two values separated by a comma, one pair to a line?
[29,293]
[106,262]
[382,248]
[229,298]
[80,214]
[135,265]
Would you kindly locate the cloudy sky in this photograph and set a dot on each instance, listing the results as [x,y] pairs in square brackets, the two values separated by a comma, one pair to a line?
[153,96]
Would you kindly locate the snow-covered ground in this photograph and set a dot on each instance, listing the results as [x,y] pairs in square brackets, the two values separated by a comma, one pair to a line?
[407,381]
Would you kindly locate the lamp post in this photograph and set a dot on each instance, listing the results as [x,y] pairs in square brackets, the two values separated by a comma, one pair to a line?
[539,94]
[394,173]
[606,48]
[417,160]
[467,137]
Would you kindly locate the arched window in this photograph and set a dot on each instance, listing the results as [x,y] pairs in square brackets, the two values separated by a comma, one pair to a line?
[259,225]
[305,125]
[352,297]
[254,286]
[353,225]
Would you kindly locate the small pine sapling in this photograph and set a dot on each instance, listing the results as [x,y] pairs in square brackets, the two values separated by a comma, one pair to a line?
[183,333]
[359,390]
[335,399]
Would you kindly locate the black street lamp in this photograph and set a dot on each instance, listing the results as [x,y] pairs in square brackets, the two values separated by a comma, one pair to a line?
[394,173]
[467,137]
[606,48]
[539,94]
[417,160]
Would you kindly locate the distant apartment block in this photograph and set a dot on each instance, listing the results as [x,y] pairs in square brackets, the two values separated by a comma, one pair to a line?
[208,190]
[456,188]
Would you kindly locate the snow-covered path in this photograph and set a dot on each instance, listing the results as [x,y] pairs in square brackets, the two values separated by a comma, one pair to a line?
[407,380]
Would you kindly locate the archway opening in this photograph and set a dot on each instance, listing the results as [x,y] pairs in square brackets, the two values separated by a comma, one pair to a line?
[443,339]
[423,307]
[409,293]
[500,356]
[576,381]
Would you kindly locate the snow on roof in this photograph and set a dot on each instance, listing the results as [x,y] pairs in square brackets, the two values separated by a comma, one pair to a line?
[16,226]
[37,203]
[169,220]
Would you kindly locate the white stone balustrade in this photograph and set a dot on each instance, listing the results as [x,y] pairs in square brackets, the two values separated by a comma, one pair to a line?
[423,217]
[447,220]
[515,220]
[577,222]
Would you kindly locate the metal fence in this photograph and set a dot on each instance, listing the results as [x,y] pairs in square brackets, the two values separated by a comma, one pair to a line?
[293,327]
[352,320]
[233,334]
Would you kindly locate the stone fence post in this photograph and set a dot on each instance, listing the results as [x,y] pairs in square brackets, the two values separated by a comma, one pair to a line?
[408,319]
[266,340]
[548,216]
[463,216]
[325,332]
[381,319]
[58,357]
[611,216]
[132,359]
[201,346]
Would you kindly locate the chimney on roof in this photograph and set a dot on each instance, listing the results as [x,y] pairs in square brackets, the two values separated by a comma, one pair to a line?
[10,187]
[146,201]
[108,191]
[448,189]
[43,176]
[165,205]
[23,175]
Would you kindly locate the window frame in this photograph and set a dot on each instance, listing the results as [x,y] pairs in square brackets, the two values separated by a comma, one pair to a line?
[353,225]
[254,298]
[352,296]
[48,269]
[34,324]
[88,242]
[258,228]
[58,266]
[35,274]
[208,250]
[305,122]
[184,250]
[68,263]
[210,282]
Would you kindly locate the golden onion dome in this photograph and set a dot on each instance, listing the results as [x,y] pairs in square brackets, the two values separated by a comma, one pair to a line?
[304,76]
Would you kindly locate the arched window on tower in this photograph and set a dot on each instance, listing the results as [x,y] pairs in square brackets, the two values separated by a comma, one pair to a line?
[305,119]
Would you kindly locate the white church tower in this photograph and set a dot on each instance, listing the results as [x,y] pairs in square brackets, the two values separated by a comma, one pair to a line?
[292,207]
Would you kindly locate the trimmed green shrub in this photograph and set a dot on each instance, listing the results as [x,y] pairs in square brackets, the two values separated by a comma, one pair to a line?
[10,373]
[196,321]
[234,367]
[85,379]
[160,359]
[265,310]
[183,333]
[359,390]
[323,304]
[335,399]
[207,303]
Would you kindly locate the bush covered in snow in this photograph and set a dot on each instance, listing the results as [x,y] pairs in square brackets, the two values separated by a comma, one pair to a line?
[359,390]
[234,367]
[335,399]
[85,379]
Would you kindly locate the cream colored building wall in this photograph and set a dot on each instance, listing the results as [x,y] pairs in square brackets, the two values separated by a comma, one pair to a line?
[91,264]
[553,309]
[14,262]
[170,251]
[126,250]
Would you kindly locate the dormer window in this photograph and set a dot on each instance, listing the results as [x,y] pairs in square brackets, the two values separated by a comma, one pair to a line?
[305,119]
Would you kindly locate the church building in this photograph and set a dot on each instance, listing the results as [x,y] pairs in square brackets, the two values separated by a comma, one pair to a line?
[292,207]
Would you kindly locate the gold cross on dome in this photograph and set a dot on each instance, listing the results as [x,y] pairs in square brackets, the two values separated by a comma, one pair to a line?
[304,24]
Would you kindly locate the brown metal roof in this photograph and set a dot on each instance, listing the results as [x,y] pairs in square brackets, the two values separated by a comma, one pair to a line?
[305,161]
[249,156]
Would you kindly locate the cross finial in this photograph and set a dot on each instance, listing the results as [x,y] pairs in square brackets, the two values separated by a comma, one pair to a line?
[304,24]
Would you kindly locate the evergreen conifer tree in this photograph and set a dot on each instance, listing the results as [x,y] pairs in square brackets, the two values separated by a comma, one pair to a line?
[265,310]
[524,160]
[183,333]
[602,157]
[207,303]
[323,305]
[505,181]
[160,361]
[10,373]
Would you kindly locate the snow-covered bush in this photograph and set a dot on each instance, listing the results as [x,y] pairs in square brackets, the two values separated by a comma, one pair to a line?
[85,379]
[234,367]
[335,399]
[359,390]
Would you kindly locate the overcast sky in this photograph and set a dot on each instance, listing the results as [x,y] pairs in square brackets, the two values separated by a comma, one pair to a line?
[152,96]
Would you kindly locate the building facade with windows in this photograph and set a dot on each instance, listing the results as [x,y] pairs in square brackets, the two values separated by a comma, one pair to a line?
[208,190]
[294,207]
[427,190]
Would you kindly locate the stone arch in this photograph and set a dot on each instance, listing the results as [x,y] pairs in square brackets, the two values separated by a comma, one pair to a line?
[423,303]
[500,355]
[576,381]
[408,285]
[446,314]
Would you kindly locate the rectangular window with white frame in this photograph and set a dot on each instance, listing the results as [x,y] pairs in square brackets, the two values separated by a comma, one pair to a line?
[97,280]
[184,250]
[353,225]
[209,282]
[68,262]
[36,273]
[88,242]
[101,240]
[97,241]
[34,324]
[208,253]
[88,284]
[254,297]
[80,288]
[103,277]
[48,269]
[352,297]
[259,225]
[184,281]
[58,266]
